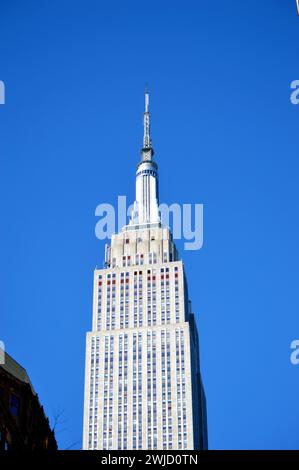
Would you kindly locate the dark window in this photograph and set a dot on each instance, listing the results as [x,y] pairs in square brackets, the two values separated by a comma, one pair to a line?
[14,405]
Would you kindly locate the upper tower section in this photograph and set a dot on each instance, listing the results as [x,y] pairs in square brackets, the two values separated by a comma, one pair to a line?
[145,240]
[146,206]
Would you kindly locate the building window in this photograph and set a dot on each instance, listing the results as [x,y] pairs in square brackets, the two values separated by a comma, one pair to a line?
[139,259]
[126,260]
[152,257]
[14,405]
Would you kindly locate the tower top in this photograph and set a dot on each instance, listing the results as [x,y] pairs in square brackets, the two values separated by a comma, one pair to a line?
[147,151]
[146,94]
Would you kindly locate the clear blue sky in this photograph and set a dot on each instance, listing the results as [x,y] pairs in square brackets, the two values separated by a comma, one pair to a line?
[225,134]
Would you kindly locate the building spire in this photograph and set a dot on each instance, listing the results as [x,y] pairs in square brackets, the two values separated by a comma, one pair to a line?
[147,151]
[146,98]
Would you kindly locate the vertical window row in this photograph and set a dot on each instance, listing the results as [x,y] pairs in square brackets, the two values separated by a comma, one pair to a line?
[163,310]
[137,391]
[138,312]
[181,389]
[120,392]
[105,395]
[127,300]
[123,392]
[94,394]
[113,301]
[125,409]
[108,393]
[124,300]
[140,380]
[165,296]
[134,417]
[151,297]
[176,294]
[99,316]
[91,394]
[166,390]
[169,397]
[108,304]
[152,390]
[110,415]
[110,301]
[149,392]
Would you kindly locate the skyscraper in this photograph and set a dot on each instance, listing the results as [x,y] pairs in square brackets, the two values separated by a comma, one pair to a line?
[143,387]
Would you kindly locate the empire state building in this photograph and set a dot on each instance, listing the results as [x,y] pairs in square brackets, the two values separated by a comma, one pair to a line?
[143,387]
